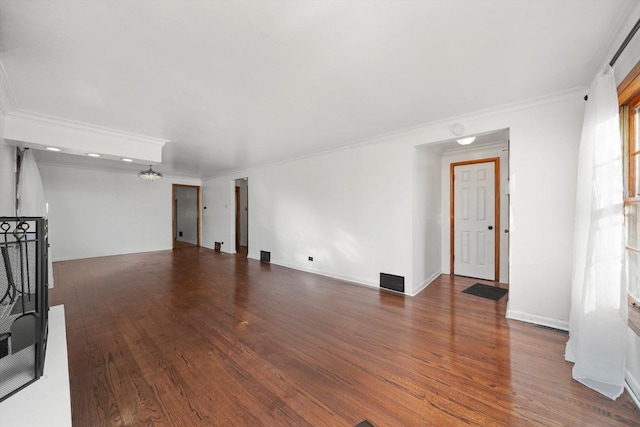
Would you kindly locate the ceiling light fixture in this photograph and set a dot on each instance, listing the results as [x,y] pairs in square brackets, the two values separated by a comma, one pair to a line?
[150,175]
[127,160]
[93,155]
[53,149]
[466,141]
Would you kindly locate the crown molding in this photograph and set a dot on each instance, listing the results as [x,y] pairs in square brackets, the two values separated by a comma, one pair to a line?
[627,18]
[570,95]
[9,107]
[83,126]
[185,179]
[37,130]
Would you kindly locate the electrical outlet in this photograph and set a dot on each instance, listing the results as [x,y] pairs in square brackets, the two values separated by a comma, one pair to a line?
[310,258]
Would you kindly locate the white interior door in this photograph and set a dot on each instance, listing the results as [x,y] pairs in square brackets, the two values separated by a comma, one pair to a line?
[474,216]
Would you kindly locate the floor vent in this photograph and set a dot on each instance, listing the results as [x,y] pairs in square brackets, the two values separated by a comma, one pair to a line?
[392,282]
[265,256]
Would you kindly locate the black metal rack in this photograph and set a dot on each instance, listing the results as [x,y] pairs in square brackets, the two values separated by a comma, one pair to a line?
[24,302]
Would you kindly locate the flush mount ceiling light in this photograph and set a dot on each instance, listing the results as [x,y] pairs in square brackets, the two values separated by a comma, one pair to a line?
[150,175]
[127,160]
[466,141]
[93,155]
[53,149]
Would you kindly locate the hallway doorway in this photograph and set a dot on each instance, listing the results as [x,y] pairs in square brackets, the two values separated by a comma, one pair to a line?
[242,216]
[185,216]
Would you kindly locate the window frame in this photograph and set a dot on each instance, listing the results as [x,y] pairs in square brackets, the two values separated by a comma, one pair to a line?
[629,102]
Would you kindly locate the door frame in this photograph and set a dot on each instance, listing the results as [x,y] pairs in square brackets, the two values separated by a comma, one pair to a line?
[496,255]
[173,212]
[238,219]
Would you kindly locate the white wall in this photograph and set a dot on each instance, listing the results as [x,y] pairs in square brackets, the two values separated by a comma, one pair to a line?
[98,213]
[427,218]
[353,210]
[187,214]
[544,153]
[7,176]
[544,140]
[475,154]
[347,209]
[218,214]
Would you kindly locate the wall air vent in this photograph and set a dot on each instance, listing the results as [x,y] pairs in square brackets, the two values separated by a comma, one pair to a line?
[392,282]
[265,256]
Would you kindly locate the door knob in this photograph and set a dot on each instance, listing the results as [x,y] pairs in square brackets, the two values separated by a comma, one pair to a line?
[491,227]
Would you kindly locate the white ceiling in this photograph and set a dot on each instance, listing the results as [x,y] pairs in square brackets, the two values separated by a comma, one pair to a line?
[236,84]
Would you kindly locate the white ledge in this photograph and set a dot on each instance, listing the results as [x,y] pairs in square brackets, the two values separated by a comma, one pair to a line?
[38,131]
[46,402]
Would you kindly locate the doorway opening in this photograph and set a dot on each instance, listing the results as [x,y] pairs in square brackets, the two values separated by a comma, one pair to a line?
[488,146]
[242,216]
[186,221]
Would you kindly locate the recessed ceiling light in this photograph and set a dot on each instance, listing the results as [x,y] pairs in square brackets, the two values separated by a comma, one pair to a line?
[93,155]
[127,160]
[53,149]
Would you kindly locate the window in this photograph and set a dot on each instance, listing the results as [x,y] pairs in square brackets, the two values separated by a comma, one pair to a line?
[629,100]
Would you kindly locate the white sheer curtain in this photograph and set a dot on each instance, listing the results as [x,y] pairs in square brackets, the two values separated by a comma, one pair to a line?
[598,323]
[31,200]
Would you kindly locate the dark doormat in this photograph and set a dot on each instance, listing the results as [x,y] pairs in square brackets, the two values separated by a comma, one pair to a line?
[29,304]
[486,291]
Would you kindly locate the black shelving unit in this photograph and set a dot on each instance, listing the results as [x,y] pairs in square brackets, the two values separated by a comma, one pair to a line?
[24,302]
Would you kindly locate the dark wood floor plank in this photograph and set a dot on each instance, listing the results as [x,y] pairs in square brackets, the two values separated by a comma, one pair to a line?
[197,337]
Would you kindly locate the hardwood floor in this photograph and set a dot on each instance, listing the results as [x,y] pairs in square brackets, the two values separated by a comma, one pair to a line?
[177,244]
[197,337]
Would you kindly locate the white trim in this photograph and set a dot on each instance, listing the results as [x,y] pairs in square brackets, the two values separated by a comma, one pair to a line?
[627,18]
[538,320]
[541,101]
[498,145]
[133,252]
[83,126]
[103,168]
[350,280]
[426,283]
[630,384]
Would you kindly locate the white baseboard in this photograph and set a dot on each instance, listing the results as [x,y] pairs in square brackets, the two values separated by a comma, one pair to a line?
[353,280]
[633,387]
[426,283]
[538,320]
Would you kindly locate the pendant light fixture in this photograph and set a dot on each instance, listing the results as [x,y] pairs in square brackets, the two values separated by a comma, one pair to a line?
[150,175]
